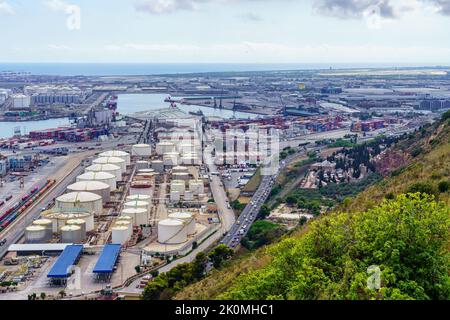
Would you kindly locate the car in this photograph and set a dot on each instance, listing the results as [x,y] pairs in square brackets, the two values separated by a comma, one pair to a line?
[3,242]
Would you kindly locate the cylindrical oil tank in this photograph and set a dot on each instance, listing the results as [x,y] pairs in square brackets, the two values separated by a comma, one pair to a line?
[81,223]
[170,159]
[164,147]
[180,169]
[47,224]
[141,197]
[141,150]
[104,177]
[140,215]
[190,161]
[97,187]
[158,166]
[180,176]
[178,185]
[112,160]
[36,234]
[196,186]
[137,204]
[118,154]
[91,202]
[71,234]
[120,235]
[147,171]
[171,231]
[126,218]
[141,165]
[186,147]
[188,196]
[140,189]
[125,223]
[175,196]
[109,168]
[60,217]
[187,218]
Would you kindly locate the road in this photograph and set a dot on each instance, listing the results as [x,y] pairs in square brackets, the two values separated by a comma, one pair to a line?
[250,213]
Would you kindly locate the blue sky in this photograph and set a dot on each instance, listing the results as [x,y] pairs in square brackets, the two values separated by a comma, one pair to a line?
[225,31]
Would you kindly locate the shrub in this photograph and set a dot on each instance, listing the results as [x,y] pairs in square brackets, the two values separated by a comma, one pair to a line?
[444,186]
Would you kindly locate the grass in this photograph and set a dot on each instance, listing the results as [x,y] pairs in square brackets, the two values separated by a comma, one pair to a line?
[254,182]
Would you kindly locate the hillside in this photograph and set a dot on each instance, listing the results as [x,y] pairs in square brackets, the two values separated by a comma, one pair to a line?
[407,236]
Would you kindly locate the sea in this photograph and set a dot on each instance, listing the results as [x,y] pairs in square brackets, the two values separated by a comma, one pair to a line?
[121,69]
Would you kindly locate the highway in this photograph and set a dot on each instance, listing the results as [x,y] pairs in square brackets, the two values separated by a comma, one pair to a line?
[250,213]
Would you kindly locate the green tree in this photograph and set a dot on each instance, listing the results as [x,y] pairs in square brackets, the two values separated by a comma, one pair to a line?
[199,265]
[407,238]
[42,295]
[219,255]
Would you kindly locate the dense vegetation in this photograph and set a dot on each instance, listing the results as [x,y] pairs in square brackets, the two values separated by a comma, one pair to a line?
[261,233]
[406,238]
[164,286]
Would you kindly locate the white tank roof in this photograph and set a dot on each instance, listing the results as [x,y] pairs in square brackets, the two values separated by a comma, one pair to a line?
[88,186]
[141,146]
[41,222]
[120,228]
[96,176]
[134,210]
[35,228]
[171,222]
[143,197]
[79,197]
[103,167]
[70,227]
[111,160]
[180,215]
[136,203]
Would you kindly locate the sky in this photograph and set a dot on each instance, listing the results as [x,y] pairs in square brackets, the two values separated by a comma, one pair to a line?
[225,31]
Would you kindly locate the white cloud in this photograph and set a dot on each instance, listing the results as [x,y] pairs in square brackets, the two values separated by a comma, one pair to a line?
[6,8]
[59,6]
[58,47]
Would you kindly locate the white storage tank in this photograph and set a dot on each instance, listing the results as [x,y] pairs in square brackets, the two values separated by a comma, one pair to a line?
[178,185]
[117,154]
[36,234]
[109,168]
[148,171]
[180,169]
[172,231]
[125,218]
[187,218]
[197,186]
[175,196]
[140,165]
[188,196]
[112,160]
[81,223]
[141,150]
[104,177]
[59,218]
[139,197]
[158,166]
[137,204]
[91,202]
[47,224]
[120,235]
[180,176]
[140,215]
[164,147]
[190,161]
[171,159]
[97,187]
[71,234]
[125,223]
